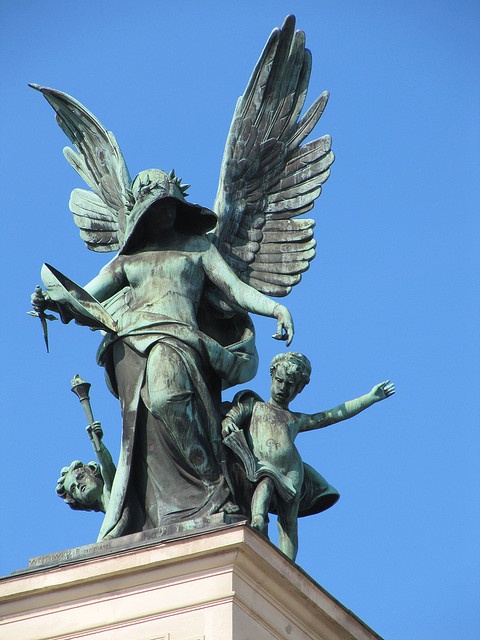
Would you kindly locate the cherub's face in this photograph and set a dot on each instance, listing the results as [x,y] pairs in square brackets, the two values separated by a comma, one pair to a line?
[83,485]
[284,387]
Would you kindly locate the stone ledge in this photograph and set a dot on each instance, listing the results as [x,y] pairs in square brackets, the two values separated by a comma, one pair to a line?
[167,533]
[228,583]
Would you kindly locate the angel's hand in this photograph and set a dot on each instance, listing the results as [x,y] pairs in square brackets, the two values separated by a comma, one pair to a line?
[285,329]
[382,390]
[228,427]
[41,301]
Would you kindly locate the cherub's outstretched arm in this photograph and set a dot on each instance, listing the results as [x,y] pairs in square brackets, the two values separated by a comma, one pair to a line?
[95,433]
[350,408]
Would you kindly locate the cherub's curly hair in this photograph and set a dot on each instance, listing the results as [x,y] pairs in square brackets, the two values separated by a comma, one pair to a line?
[295,364]
[69,499]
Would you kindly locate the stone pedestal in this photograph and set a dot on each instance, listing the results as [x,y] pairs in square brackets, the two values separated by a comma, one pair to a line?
[227,583]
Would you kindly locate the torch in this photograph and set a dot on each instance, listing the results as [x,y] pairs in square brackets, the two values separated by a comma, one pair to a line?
[81,388]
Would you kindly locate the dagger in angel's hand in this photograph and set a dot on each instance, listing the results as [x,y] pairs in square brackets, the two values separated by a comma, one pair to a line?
[43,317]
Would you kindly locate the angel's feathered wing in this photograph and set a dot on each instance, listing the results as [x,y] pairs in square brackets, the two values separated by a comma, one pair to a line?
[268,177]
[100,213]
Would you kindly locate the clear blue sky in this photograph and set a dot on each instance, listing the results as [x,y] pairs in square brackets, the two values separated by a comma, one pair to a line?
[393,292]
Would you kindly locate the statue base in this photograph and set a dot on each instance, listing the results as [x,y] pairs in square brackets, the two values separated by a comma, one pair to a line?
[224,583]
[167,533]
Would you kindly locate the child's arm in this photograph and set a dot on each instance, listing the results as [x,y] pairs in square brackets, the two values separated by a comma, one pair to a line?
[348,409]
[104,457]
[237,415]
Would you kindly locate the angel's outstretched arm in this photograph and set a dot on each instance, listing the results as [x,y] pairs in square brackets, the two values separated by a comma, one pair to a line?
[245,296]
[108,282]
[350,408]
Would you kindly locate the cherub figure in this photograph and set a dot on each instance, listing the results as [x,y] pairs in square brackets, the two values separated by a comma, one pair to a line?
[87,487]
[270,430]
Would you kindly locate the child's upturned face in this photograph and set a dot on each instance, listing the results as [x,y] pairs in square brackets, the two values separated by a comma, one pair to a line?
[284,387]
[83,485]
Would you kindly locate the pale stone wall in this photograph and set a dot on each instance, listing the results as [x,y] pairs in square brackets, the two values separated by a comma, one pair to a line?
[225,584]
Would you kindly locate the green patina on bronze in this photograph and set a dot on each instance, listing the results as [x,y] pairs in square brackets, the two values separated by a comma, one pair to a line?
[174,301]
[87,487]
[263,433]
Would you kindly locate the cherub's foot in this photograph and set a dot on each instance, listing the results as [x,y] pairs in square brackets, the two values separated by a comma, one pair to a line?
[230,507]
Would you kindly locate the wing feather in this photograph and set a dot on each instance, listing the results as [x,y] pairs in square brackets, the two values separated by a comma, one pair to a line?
[290,204]
[104,238]
[276,279]
[268,177]
[279,248]
[88,204]
[295,235]
[288,268]
[94,219]
[270,289]
[286,226]
[291,256]
[100,163]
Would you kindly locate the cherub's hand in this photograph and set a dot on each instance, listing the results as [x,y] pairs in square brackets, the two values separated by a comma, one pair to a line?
[285,329]
[382,390]
[95,428]
[228,427]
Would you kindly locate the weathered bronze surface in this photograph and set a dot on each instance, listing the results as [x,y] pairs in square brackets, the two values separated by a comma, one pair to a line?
[174,301]
[87,487]
[283,483]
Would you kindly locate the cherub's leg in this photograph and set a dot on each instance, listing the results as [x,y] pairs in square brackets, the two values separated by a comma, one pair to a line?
[260,504]
[288,529]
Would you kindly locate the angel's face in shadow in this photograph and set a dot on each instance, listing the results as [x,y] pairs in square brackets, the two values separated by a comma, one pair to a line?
[159,221]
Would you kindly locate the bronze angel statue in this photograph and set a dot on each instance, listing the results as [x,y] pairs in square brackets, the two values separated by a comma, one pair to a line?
[175,299]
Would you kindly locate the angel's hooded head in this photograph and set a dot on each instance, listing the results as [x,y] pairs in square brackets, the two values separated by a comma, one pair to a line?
[151,190]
